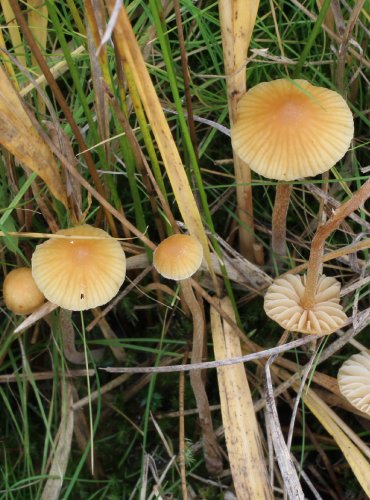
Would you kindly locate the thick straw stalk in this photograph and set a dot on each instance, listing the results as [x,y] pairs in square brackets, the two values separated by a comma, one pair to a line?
[129,51]
[238,416]
[237,21]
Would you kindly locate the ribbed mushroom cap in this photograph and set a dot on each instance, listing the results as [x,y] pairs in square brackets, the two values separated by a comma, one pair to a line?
[20,291]
[286,129]
[354,381]
[178,257]
[283,304]
[79,274]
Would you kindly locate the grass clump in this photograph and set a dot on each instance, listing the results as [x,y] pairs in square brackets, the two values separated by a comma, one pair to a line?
[139,147]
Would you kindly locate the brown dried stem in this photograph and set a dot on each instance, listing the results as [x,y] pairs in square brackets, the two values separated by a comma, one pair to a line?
[210,446]
[322,233]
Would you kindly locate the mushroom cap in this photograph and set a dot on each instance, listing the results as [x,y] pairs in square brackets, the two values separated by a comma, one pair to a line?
[354,381]
[283,304]
[287,129]
[21,294]
[79,274]
[178,257]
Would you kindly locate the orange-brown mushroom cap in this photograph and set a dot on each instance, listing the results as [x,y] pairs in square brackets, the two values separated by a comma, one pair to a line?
[21,294]
[79,274]
[354,381]
[287,129]
[178,257]
[283,304]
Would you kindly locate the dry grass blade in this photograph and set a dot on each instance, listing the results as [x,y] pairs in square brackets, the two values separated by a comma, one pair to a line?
[358,463]
[288,471]
[18,135]
[62,450]
[130,53]
[38,23]
[14,33]
[58,69]
[239,419]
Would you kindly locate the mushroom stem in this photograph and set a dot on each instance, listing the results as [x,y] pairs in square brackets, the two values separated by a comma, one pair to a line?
[210,446]
[279,214]
[322,233]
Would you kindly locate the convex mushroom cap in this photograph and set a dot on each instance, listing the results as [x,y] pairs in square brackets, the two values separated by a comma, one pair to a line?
[287,129]
[79,274]
[283,304]
[354,381]
[178,257]
[20,291]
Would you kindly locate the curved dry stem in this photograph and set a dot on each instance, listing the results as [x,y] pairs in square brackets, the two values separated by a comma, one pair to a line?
[211,449]
[279,214]
[322,233]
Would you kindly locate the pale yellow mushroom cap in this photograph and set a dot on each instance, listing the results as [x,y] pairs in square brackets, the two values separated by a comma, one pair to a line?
[79,274]
[283,304]
[21,294]
[178,257]
[286,129]
[354,381]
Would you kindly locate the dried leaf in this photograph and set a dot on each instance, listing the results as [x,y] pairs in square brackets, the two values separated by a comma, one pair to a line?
[19,136]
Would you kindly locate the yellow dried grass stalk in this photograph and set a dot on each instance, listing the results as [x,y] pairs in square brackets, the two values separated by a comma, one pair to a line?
[241,430]
[38,23]
[14,33]
[237,21]
[130,53]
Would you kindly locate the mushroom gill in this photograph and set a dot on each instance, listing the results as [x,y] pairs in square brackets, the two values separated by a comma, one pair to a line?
[283,304]
[354,381]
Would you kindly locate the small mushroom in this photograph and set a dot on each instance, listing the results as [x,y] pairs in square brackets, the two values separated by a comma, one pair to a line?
[288,129]
[178,257]
[20,291]
[354,381]
[283,304]
[76,273]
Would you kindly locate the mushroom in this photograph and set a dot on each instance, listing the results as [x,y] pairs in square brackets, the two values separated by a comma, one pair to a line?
[20,291]
[283,304]
[354,381]
[304,297]
[178,257]
[82,270]
[288,129]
